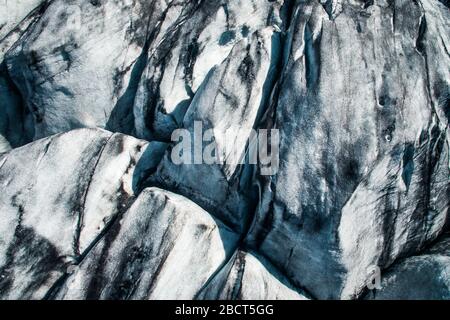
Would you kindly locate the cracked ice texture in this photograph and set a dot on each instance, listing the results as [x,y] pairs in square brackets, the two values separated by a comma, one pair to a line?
[358,89]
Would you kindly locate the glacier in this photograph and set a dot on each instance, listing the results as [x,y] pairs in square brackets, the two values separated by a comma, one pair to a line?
[93,206]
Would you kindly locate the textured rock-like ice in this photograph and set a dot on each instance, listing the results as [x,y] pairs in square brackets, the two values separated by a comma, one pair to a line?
[4,145]
[58,195]
[200,39]
[76,67]
[13,12]
[248,277]
[172,45]
[16,123]
[423,277]
[163,247]
[230,100]
[359,91]
[364,175]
